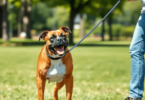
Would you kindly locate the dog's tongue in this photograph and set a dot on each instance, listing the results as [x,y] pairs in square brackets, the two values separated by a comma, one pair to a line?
[60,50]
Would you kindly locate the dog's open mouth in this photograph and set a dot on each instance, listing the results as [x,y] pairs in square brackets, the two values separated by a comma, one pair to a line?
[59,50]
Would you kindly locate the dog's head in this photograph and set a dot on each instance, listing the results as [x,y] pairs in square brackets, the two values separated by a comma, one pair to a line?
[56,40]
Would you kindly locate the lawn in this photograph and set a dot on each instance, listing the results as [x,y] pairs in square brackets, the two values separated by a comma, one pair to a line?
[88,41]
[100,73]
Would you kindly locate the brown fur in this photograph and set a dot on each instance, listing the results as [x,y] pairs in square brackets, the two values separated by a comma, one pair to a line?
[44,64]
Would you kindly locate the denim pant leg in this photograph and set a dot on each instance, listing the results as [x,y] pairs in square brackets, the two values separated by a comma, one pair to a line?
[137,49]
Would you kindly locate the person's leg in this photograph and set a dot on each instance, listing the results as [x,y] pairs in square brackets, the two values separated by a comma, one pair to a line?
[137,49]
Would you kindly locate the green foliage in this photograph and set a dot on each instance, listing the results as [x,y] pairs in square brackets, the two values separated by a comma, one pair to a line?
[128,31]
[55,3]
[40,16]
[91,22]
[117,30]
[130,13]
[76,33]
[44,17]
[120,30]
[101,7]
[12,15]
[15,3]
[62,17]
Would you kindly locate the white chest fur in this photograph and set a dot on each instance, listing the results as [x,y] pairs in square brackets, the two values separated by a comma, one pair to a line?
[56,71]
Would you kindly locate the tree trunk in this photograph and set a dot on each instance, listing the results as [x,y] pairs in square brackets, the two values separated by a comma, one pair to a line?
[71,28]
[5,34]
[110,29]
[82,33]
[19,20]
[26,17]
[25,20]
[71,23]
[1,14]
[29,9]
[103,30]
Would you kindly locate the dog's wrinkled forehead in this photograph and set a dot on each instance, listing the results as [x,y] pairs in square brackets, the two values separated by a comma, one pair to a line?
[56,33]
[62,31]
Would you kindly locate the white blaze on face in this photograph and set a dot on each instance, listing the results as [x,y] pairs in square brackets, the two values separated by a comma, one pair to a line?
[57,34]
[59,50]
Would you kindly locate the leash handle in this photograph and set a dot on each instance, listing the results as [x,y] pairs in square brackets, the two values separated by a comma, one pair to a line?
[95,26]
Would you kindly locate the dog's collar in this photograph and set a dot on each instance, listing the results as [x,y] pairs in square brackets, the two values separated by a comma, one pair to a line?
[53,58]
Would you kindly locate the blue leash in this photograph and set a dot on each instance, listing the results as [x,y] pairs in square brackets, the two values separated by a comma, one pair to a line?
[94,27]
[84,36]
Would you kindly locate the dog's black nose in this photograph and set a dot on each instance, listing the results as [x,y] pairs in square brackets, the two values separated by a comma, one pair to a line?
[59,40]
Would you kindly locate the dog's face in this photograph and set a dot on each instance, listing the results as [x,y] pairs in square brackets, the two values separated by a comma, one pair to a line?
[56,40]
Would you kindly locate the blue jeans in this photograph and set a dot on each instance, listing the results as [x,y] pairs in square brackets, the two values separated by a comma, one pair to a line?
[137,49]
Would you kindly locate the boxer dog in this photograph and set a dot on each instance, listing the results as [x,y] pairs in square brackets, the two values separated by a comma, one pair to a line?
[51,64]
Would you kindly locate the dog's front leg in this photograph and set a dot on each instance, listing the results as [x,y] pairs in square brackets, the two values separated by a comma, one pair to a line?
[69,87]
[58,86]
[40,86]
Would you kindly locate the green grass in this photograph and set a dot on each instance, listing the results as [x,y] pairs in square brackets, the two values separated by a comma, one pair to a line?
[95,41]
[100,73]
[87,41]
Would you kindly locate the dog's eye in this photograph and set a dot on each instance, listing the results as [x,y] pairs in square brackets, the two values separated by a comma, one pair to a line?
[53,37]
[62,35]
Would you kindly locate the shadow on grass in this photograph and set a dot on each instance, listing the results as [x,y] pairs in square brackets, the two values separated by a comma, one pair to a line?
[35,43]
[110,45]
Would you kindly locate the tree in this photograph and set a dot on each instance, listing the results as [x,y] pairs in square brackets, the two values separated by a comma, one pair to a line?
[101,8]
[26,16]
[75,7]
[73,12]
[20,12]
[131,12]
[110,18]
[42,17]
[110,28]
[5,35]
[82,33]
[24,8]
[1,19]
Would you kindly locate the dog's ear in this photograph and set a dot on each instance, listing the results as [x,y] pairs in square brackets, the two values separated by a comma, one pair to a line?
[43,35]
[65,29]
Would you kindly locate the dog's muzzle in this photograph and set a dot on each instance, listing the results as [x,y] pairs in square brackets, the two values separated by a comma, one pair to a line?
[58,45]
